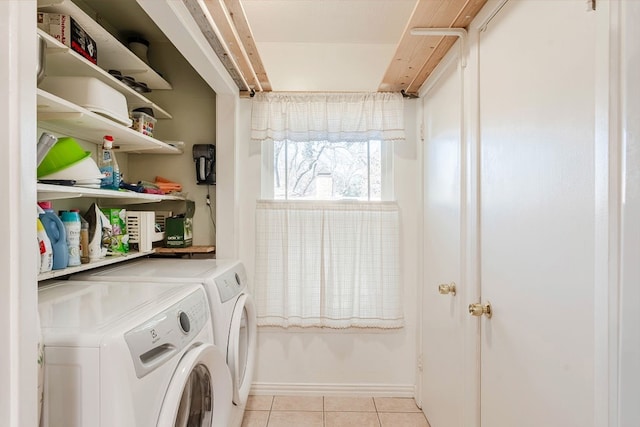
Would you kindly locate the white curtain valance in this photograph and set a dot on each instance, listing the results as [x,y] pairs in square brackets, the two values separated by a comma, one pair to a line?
[333,117]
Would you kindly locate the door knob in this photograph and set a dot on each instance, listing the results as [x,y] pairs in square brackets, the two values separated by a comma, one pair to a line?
[480,309]
[447,288]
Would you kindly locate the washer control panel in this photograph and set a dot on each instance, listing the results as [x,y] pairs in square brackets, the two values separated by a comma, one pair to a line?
[167,333]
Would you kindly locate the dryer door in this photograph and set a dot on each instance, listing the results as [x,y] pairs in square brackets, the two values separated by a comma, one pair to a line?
[199,393]
[241,350]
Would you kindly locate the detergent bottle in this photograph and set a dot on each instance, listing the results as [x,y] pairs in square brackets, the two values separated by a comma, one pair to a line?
[44,246]
[72,225]
[57,235]
[84,240]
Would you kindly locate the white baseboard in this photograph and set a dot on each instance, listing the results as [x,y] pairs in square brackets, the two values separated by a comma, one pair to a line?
[297,389]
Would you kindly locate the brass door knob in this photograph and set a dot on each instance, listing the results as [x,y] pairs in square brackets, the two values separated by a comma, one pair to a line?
[447,288]
[480,309]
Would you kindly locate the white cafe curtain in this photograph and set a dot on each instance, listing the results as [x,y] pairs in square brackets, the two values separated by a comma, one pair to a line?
[328,264]
[333,117]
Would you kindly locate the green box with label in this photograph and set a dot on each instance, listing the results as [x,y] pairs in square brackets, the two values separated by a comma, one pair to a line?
[179,228]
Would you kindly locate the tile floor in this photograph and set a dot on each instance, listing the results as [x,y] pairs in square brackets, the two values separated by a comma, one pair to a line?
[328,411]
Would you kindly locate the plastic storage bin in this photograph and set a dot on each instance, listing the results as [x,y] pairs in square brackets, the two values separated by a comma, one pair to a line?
[90,93]
[143,123]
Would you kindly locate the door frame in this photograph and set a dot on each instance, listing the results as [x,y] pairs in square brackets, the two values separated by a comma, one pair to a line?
[609,178]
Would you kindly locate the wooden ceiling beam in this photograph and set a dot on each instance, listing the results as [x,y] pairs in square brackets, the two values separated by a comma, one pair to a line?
[225,24]
[417,56]
[239,18]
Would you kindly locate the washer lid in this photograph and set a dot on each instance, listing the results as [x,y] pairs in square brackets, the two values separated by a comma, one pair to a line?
[80,313]
[166,269]
[200,391]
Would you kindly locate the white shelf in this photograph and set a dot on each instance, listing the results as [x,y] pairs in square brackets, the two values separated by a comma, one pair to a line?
[123,197]
[59,115]
[110,259]
[62,61]
[112,55]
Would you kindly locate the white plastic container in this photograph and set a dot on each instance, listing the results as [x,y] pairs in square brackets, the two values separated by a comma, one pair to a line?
[90,93]
[85,169]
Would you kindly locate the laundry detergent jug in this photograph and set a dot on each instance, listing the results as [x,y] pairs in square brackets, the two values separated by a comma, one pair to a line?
[44,245]
[57,235]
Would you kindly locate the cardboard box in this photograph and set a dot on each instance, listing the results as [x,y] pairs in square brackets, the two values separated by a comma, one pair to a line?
[178,229]
[68,32]
[119,237]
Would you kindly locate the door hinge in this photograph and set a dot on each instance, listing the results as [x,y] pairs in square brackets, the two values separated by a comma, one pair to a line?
[591,5]
[420,362]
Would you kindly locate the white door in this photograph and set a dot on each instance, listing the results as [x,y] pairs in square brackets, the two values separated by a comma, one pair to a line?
[444,313]
[537,80]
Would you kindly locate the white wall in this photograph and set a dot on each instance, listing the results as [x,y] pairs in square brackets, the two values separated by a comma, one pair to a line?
[320,361]
[192,104]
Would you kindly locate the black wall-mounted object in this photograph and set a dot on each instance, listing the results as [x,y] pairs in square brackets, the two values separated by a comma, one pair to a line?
[204,156]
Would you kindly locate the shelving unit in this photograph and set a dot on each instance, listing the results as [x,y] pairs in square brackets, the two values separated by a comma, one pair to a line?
[112,259]
[123,197]
[62,61]
[59,115]
[112,55]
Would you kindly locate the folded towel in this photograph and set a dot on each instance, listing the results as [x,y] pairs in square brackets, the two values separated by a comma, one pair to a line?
[167,186]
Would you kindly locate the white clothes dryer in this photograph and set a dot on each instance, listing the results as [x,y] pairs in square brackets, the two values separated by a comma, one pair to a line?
[131,355]
[232,308]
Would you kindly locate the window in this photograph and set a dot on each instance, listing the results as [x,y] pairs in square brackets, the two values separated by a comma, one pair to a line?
[327,232]
[327,171]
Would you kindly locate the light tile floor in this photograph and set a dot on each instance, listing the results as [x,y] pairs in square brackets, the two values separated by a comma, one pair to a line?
[328,411]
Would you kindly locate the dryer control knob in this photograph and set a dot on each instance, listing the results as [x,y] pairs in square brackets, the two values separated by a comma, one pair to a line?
[185,323]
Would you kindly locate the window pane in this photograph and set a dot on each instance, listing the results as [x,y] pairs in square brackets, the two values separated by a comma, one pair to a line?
[279,170]
[327,170]
[375,169]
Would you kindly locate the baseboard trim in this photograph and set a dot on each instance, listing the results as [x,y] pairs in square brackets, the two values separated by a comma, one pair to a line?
[297,389]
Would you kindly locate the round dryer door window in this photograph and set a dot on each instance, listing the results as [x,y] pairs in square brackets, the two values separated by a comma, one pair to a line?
[241,351]
[198,394]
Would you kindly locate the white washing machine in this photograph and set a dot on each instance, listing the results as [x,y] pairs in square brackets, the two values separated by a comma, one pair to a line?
[131,355]
[232,308]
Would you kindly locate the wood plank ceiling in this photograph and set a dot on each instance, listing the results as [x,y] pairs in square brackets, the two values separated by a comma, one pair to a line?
[414,59]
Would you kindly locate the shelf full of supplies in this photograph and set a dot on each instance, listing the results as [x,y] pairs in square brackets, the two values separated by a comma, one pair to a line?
[59,115]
